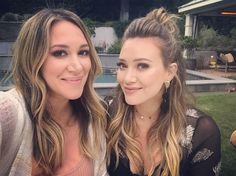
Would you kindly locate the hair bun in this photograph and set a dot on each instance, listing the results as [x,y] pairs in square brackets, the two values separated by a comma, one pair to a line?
[164,18]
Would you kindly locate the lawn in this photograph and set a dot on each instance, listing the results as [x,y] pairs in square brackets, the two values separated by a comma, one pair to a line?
[222,107]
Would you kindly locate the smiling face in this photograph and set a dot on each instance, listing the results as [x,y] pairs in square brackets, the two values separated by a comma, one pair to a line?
[68,63]
[141,72]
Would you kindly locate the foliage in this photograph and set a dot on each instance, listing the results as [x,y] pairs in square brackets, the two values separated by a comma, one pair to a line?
[118,26]
[233,37]
[210,39]
[233,33]
[181,24]
[188,42]
[9,16]
[207,37]
[115,48]
[90,24]
[221,106]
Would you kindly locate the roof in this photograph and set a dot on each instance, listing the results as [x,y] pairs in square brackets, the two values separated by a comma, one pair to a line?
[208,7]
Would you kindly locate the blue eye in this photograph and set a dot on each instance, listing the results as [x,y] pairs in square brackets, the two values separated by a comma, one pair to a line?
[121,66]
[83,52]
[59,53]
[142,66]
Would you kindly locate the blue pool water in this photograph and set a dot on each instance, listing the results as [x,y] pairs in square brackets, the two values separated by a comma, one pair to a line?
[106,78]
[111,78]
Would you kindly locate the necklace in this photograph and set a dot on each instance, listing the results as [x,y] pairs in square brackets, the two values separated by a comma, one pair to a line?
[144,117]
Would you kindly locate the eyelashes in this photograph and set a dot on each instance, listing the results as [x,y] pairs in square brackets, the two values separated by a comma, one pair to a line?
[121,66]
[139,66]
[59,53]
[143,66]
[63,53]
[84,52]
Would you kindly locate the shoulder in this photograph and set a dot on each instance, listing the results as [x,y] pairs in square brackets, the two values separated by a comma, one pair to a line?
[199,128]
[11,108]
[10,101]
[201,121]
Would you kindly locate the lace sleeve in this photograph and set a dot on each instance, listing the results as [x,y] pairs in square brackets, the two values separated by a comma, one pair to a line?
[206,152]
[8,120]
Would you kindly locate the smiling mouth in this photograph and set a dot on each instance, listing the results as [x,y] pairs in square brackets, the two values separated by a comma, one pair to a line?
[129,90]
[72,80]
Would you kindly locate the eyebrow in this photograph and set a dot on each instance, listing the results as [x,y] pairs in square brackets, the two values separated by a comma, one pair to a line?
[136,59]
[65,46]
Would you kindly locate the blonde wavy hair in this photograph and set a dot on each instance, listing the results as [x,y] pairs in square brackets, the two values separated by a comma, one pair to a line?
[160,25]
[30,51]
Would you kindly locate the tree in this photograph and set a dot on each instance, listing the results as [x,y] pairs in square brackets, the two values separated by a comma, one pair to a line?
[124,10]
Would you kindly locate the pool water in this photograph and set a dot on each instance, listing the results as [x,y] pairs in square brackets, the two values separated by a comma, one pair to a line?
[111,78]
[106,78]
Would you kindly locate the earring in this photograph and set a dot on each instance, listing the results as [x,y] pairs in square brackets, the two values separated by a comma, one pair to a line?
[165,96]
[167,84]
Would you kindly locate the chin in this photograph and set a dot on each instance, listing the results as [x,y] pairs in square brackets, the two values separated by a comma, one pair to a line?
[130,101]
[74,96]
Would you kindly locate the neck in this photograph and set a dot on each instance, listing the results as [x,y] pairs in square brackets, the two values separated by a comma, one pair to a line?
[150,115]
[147,112]
[62,112]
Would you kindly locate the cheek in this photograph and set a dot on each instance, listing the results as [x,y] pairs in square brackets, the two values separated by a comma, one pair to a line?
[87,65]
[52,66]
[119,76]
[46,70]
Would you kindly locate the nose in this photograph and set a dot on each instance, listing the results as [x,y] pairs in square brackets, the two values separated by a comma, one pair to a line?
[74,64]
[130,76]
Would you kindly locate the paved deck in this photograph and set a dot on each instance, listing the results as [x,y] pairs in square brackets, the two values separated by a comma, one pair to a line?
[220,73]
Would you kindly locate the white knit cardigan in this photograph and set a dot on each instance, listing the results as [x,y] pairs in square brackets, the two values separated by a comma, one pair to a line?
[16,138]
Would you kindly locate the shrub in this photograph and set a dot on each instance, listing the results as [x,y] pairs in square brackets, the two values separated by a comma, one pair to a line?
[207,38]
[188,42]
[11,17]
[90,24]
[115,48]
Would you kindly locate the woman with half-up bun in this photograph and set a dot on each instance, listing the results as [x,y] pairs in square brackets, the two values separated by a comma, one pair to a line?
[153,128]
[52,122]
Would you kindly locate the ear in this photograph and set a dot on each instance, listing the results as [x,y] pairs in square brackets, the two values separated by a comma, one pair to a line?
[172,70]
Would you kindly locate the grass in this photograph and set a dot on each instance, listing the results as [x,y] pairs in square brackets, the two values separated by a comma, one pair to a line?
[232,77]
[222,107]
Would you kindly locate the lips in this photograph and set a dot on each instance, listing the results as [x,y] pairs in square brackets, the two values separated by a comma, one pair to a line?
[72,79]
[131,90]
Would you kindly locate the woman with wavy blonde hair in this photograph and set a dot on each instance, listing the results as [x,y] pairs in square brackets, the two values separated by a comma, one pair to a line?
[153,130]
[52,122]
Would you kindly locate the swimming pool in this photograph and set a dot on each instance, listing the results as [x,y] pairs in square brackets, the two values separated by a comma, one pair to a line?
[196,82]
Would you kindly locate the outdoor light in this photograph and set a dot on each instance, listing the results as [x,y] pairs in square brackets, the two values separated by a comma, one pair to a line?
[228,13]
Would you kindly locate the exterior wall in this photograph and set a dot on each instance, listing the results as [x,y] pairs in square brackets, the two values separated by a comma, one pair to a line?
[188,25]
[104,37]
[9,31]
[5,48]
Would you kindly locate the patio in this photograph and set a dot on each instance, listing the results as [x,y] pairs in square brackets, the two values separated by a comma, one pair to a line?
[220,73]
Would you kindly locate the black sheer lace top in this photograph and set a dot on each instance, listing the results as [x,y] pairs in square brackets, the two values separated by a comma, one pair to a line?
[200,145]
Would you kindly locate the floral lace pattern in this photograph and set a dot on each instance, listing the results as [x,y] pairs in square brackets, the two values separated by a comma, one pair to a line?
[204,154]
[216,169]
[186,140]
[192,113]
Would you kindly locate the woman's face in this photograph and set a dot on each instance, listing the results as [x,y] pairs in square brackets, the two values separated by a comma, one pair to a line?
[68,63]
[141,72]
